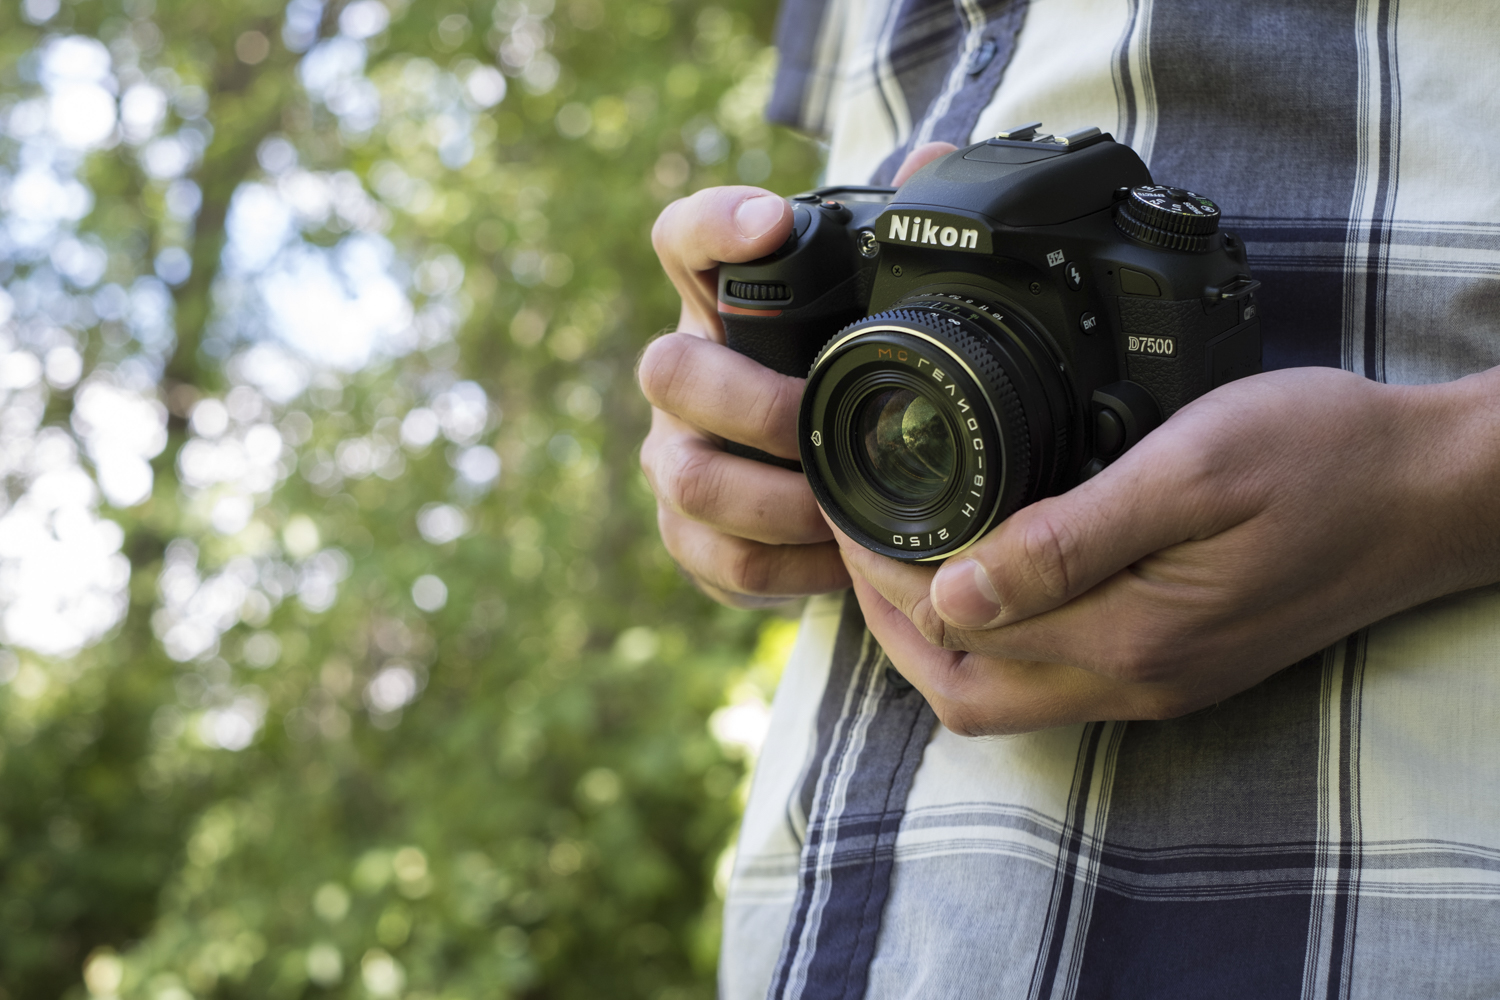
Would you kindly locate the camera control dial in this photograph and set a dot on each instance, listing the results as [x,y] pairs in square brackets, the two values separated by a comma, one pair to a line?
[1168,217]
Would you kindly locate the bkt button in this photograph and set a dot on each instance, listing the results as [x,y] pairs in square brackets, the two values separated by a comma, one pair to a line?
[1074,274]
[1088,322]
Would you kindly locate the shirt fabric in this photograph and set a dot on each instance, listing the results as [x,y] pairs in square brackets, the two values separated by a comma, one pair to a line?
[1332,832]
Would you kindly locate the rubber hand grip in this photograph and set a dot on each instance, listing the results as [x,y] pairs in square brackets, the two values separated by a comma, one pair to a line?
[783,345]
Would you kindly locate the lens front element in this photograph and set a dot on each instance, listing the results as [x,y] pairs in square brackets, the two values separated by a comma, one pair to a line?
[913,436]
[910,447]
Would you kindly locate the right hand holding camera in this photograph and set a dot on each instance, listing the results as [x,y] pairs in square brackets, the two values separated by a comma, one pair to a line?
[747,533]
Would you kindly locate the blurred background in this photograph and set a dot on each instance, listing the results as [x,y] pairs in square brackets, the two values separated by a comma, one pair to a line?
[340,657]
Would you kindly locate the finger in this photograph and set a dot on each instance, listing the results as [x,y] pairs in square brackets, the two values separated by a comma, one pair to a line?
[723,392]
[1048,553]
[983,696]
[906,586]
[747,573]
[1086,632]
[919,158]
[739,496]
[693,235]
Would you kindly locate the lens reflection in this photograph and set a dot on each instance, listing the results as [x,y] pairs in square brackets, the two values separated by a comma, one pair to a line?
[909,444]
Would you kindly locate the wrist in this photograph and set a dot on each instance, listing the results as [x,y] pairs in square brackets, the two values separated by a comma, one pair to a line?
[1456,431]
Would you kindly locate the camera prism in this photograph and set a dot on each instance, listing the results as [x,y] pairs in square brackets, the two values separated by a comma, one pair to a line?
[1014,318]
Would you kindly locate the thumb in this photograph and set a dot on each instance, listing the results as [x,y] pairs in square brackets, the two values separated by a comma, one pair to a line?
[721,224]
[919,158]
[1047,554]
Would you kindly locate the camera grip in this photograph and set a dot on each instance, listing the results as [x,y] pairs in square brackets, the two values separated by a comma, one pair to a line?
[787,347]
[774,342]
[1192,349]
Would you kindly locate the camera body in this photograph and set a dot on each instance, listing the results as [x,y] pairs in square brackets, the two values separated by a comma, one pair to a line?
[1011,320]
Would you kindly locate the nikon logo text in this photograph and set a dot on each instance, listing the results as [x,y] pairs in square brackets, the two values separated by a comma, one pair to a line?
[917,229]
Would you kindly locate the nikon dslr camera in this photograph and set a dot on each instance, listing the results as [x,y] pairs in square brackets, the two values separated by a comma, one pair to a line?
[1011,320]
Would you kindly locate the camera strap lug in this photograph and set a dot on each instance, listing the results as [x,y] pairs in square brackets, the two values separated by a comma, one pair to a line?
[1236,289]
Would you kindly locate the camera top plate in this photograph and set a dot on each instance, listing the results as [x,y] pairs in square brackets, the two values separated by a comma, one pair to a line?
[1022,184]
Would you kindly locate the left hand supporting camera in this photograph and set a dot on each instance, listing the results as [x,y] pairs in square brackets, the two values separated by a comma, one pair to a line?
[1262,522]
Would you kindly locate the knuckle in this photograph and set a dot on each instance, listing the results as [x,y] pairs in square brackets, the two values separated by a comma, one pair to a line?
[750,569]
[775,412]
[1168,704]
[949,691]
[686,552]
[648,462]
[660,370]
[662,229]
[693,483]
[1047,554]
[931,625]
[958,718]
[666,526]
[1141,660]
[1203,472]
[657,452]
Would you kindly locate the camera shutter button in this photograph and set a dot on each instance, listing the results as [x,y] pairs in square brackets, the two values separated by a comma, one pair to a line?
[837,211]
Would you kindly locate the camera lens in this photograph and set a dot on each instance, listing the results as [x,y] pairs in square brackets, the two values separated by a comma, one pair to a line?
[910,447]
[923,426]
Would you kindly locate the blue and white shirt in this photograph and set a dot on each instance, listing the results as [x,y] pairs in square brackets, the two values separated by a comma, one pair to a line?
[1333,832]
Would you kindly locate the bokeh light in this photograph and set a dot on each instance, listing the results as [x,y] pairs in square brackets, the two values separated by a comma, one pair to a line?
[337,652]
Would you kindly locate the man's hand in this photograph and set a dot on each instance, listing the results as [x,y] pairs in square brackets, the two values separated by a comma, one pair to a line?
[1262,522]
[746,532]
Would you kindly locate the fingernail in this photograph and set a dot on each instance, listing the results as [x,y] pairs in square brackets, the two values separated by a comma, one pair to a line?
[963,595]
[755,216]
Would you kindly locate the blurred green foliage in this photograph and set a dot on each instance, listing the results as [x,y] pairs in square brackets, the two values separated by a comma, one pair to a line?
[371,722]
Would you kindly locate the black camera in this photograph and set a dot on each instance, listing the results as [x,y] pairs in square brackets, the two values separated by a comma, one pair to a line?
[1012,319]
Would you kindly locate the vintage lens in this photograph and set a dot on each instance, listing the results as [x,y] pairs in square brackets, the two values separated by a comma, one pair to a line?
[910,447]
[923,426]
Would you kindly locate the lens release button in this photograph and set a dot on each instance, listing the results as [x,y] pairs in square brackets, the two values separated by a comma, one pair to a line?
[1109,433]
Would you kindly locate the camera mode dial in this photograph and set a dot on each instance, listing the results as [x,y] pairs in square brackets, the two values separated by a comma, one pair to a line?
[1168,217]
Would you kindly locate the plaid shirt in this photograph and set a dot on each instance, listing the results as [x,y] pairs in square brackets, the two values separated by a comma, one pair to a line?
[1333,832]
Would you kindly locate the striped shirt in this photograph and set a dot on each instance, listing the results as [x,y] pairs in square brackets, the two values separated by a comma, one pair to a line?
[1332,832]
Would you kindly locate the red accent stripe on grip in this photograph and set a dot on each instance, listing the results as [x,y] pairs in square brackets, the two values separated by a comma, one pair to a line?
[725,307]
